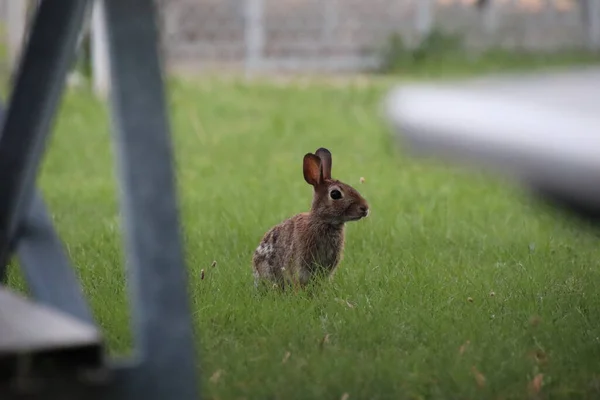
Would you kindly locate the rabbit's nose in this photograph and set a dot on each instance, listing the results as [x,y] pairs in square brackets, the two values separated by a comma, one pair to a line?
[364,210]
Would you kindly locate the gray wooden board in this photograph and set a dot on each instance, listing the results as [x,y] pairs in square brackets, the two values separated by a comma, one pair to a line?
[540,128]
[26,327]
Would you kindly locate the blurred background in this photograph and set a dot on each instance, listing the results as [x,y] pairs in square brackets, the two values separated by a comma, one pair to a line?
[341,35]
[457,286]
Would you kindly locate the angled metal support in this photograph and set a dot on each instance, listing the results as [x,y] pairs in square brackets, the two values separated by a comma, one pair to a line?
[33,103]
[50,278]
[66,363]
[157,274]
[38,341]
[46,267]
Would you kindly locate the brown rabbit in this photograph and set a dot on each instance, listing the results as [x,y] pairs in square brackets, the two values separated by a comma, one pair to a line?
[310,243]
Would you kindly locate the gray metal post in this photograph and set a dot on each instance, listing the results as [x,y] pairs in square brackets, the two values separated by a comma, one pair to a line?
[46,266]
[254,34]
[425,17]
[157,274]
[15,26]
[100,54]
[490,17]
[330,20]
[592,23]
[74,367]
[33,103]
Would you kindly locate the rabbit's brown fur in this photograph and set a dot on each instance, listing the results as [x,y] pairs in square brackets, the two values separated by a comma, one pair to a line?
[310,243]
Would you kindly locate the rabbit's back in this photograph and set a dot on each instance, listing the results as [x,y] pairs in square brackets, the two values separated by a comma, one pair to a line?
[274,253]
[296,249]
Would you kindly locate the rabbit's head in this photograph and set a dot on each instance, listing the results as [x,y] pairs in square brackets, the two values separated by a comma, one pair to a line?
[333,202]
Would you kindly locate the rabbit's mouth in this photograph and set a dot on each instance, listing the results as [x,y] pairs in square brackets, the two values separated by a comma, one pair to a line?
[356,217]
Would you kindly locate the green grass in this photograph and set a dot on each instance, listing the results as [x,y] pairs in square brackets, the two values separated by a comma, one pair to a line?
[492,61]
[397,312]
[446,53]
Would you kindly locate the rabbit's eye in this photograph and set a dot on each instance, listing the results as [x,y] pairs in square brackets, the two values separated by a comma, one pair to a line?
[335,194]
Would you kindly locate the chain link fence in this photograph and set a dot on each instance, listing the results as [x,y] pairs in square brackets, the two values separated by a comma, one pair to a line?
[348,34]
[322,35]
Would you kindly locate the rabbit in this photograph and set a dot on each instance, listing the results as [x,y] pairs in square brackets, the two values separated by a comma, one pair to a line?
[311,243]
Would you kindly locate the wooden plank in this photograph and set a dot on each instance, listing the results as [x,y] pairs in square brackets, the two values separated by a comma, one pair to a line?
[26,327]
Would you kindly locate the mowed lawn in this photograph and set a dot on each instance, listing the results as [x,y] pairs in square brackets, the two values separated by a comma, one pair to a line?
[458,286]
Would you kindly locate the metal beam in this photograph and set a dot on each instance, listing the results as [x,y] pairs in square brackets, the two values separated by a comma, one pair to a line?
[164,363]
[156,269]
[39,84]
[46,267]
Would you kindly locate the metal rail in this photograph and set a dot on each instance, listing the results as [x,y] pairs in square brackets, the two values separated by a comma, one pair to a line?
[164,364]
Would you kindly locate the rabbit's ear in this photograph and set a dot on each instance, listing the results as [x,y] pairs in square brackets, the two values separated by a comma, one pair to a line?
[326,161]
[312,169]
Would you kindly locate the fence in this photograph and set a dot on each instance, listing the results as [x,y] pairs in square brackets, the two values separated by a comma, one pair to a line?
[346,34]
[260,35]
